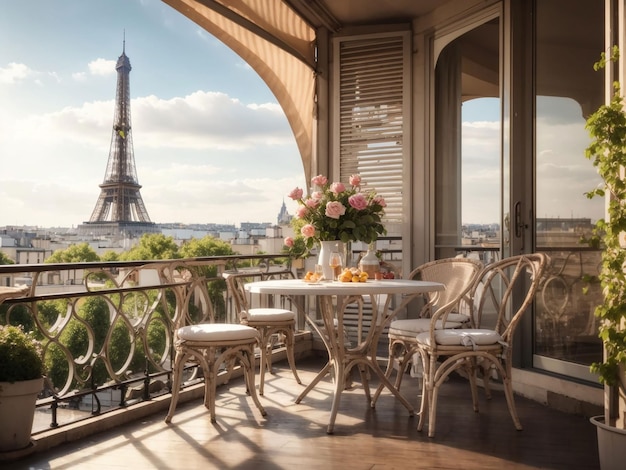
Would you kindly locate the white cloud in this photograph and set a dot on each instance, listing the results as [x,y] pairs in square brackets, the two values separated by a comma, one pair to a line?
[54,76]
[102,67]
[220,198]
[15,73]
[208,119]
[29,202]
[481,172]
[199,121]
[563,174]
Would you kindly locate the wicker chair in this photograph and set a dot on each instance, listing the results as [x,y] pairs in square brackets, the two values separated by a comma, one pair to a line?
[487,346]
[458,275]
[270,322]
[211,345]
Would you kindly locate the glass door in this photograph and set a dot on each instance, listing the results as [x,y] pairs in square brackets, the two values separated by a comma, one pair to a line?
[569,37]
[510,169]
[468,141]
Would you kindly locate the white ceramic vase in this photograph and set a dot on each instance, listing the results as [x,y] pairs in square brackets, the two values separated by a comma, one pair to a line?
[326,248]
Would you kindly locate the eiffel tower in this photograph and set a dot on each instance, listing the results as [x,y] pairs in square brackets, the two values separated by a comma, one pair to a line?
[120,211]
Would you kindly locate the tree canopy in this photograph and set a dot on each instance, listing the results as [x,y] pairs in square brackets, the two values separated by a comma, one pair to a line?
[152,246]
[78,253]
[207,246]
[110,256]
[4,259]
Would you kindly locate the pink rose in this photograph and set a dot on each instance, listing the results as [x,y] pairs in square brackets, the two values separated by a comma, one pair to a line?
[355,180]
[295,194]
[335,209]
[289,242]
[319,180]
[301,211]
[337,188]
[380,201]
[308,231]
[358,201]
[312,203]
[317,195]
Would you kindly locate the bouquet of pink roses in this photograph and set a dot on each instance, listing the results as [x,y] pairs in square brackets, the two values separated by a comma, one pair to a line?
[335,212]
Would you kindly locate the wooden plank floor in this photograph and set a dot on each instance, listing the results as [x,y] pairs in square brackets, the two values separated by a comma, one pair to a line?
[294,436]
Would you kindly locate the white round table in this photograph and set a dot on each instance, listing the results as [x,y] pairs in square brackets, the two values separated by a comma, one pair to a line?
[342,357]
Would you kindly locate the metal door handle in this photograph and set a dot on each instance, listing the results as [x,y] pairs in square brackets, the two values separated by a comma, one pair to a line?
[519,224]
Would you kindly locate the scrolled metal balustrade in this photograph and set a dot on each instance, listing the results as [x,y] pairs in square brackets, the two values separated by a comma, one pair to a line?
[107,328]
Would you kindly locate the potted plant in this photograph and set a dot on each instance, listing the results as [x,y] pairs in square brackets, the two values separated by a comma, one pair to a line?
[607,150]
[21,380]
[333,215]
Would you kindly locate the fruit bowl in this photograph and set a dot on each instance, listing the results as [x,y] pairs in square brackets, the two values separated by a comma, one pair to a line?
[353,275]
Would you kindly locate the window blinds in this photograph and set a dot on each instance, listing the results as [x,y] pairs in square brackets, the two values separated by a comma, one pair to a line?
[372,119]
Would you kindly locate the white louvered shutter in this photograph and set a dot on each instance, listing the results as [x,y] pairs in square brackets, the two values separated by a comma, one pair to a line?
[373,107]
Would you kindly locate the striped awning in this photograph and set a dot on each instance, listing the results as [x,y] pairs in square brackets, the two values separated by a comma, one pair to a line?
[278,44]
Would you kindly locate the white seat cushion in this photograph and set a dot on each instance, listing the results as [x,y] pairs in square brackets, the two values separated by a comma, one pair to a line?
[462,337]
[268,314]
[414,326]
[216,332]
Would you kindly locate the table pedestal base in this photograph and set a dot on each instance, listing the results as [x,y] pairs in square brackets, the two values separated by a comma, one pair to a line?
[342,360]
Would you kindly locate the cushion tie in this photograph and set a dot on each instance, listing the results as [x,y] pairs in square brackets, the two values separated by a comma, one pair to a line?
[468,340]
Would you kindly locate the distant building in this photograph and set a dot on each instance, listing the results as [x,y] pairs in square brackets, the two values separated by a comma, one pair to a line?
[24,247]
[563,224]
[284,218]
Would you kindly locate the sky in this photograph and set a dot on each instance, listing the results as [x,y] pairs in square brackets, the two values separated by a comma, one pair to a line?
[211,143]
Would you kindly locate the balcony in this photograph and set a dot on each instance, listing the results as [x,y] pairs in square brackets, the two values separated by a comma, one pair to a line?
[112,414]
[293,436]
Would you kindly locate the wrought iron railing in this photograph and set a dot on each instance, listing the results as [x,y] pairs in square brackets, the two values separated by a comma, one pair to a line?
[107,327]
